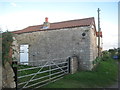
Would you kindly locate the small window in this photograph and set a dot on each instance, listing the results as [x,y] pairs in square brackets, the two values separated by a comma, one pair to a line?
[83,34]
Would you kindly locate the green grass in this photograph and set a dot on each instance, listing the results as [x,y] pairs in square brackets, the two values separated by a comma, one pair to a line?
[103,75]
[31,71]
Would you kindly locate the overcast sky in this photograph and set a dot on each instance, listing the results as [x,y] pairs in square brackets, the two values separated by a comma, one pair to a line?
[19,15]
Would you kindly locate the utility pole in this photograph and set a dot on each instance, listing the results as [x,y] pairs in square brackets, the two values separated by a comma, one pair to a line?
[99,32]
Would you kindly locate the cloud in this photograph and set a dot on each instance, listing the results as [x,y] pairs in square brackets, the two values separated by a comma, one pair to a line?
[23,19]
[13,4]
[110,35]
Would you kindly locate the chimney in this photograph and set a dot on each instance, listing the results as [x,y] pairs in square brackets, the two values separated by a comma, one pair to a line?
[46,19]
[46,24]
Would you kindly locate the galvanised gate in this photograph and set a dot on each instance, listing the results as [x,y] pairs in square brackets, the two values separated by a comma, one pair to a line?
[36,74]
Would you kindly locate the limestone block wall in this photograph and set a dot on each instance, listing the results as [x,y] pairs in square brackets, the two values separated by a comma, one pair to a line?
[0,77]
[93,47]
[8,76]
[73,65]
[15,50]
[59,43]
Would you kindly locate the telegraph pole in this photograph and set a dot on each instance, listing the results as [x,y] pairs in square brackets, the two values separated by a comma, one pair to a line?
[98,32]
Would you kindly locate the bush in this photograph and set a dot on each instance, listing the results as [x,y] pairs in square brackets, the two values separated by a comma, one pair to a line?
[97,60]
[6,46]
[106,55]
[104,58]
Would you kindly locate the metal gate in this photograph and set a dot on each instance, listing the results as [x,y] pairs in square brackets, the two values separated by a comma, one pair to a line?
[40,73]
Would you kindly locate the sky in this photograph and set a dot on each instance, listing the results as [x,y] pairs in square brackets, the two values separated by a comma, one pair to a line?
[18,15]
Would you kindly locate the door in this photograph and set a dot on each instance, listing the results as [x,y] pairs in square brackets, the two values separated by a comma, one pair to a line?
[24,54]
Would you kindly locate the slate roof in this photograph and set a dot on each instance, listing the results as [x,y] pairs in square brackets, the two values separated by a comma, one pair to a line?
[59,25]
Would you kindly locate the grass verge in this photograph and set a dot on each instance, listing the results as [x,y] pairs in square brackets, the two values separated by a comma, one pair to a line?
[103,75]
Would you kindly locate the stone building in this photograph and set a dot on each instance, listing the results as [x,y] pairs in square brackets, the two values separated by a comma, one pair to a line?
[59,40]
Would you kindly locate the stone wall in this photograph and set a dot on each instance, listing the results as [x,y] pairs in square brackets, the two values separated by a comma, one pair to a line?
[93,47]
[73,65]
[8,76]
[0,77]
[88,64]
[15,50]
[60,43]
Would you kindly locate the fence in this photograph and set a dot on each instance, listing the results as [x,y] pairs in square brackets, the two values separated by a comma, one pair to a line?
[37,74]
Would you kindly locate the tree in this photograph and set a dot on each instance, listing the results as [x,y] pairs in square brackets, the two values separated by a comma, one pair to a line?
[119,53]
[106,55]
[113,52]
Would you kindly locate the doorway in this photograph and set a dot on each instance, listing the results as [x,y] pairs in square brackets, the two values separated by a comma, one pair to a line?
[24,54]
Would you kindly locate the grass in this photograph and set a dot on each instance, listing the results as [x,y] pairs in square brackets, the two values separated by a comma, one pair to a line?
[26,72]
[103,75]
[35,70]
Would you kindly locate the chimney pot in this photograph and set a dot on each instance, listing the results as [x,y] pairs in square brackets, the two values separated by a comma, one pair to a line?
[46,24]
[46,19]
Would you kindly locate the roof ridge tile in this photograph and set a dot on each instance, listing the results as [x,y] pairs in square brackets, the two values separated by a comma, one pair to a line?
[58,25]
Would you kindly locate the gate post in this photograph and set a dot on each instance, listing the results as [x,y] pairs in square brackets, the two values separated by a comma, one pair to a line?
[73,64]
[69,65]
[14,66]
[50,71]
